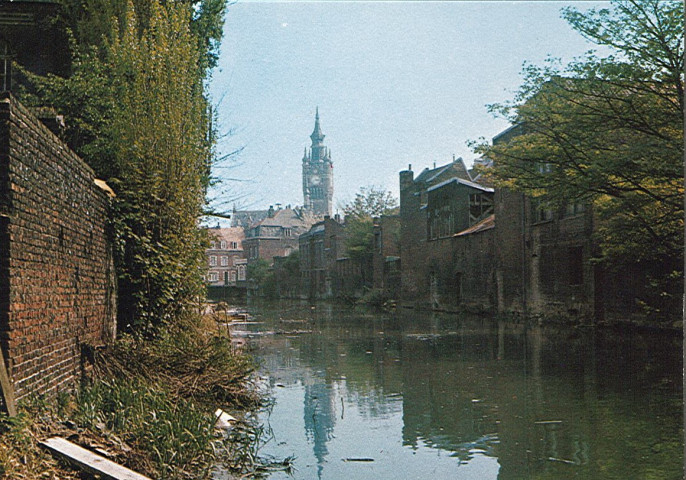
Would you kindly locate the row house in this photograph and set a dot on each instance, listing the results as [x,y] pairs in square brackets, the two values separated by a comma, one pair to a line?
[543,259]
[227,266]
[277,234]
[386,257]
[446,241]
[321,249]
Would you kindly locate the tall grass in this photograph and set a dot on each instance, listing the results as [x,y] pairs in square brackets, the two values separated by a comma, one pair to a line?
[175,433]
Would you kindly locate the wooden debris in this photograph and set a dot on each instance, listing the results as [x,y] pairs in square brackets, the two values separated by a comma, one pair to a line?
[7,388]
[89,461]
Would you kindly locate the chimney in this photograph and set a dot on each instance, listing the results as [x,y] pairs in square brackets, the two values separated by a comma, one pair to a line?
[270,212]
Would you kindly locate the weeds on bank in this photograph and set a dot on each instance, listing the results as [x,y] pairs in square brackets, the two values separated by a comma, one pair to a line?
[149,405]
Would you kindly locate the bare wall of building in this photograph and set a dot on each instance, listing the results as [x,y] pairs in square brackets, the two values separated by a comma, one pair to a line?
[56,268]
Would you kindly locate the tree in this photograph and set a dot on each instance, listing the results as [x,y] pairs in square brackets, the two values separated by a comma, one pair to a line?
[369,203]
[609,132]
[139,116]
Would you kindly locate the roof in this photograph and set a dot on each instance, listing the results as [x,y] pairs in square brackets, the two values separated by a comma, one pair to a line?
[463,182]
[485,224]
[245,218]
[456,168]
[288,218]
[231,234]
[297,220]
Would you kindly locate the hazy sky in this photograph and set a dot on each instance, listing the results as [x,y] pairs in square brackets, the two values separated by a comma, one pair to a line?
[396,83]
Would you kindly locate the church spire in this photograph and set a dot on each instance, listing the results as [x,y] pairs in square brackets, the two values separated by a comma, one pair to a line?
[317,135]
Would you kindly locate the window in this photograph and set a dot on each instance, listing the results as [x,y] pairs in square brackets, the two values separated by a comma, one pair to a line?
[574,208]
[233,277]
[241,272]
[542,212]
[480,205]
[287,232]
[223,244]
[213,245]
[213,261]
[544,167]
[213,277]
[234,245]
[576,265]
[225,261]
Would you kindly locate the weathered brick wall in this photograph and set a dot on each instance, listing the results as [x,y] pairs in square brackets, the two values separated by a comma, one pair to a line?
[56,270]
[413,284]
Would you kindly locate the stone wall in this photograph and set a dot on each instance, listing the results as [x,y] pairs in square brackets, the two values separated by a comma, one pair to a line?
[56,269]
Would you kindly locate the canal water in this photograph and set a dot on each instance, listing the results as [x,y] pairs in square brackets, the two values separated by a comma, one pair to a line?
[419,395]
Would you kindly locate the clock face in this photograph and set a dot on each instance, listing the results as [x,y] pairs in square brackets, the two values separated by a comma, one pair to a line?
[315,180]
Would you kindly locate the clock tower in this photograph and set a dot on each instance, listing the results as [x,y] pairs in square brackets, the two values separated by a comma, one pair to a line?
[318,174]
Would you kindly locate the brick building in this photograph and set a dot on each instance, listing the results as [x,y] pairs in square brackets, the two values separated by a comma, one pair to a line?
[386,255]
[277,234]
[225,258]
[414,226]
[320,249]
[57,281]
[446,238]
[543,258]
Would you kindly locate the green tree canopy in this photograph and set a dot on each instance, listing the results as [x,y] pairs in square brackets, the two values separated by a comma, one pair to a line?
[136,111]
[369,202]
[608,131]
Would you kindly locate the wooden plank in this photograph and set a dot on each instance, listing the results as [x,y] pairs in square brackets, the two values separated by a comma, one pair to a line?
[89,461]
[7,388]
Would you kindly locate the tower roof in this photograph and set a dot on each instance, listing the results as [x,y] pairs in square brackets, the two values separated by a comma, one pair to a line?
[317,135]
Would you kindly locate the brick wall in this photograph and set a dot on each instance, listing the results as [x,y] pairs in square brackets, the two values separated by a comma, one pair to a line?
[56,271]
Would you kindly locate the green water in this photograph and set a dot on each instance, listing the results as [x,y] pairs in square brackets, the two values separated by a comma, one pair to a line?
[430,396]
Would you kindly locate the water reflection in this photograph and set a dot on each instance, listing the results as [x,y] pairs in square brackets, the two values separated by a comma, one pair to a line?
[431,395]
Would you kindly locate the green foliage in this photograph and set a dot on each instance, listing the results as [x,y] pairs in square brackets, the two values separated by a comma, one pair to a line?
[258,270]
[173,431]
[369,203]
[136,111]
[609,132]
[261,276]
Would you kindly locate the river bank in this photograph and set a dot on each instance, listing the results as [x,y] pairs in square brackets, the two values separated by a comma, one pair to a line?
[148,404]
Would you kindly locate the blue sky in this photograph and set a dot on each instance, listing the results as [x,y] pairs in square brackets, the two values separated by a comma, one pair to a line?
[396,83]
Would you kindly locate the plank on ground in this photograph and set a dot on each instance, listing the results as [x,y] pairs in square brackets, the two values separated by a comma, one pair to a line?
[89,461]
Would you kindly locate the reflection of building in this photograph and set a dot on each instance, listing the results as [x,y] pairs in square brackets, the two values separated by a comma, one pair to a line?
[320,419]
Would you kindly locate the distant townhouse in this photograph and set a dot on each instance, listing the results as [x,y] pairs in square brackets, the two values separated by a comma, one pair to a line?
[386,256]
[246,218]
[321,248]
[227,265]
[277,234]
